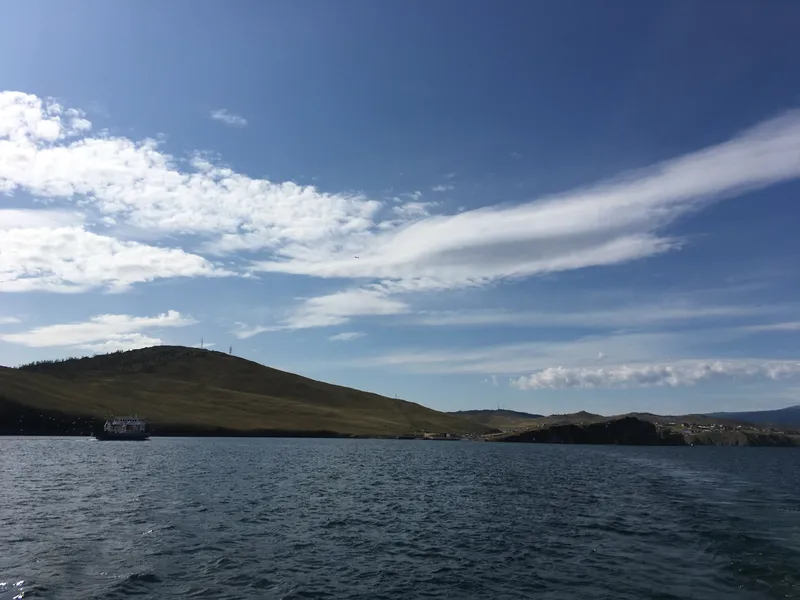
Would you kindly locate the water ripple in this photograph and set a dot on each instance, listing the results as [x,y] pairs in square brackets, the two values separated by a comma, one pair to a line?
[283,519]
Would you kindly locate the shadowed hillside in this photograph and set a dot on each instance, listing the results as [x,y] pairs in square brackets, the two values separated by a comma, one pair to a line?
[187,390]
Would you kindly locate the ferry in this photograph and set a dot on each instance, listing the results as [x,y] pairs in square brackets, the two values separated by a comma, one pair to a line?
[124,428]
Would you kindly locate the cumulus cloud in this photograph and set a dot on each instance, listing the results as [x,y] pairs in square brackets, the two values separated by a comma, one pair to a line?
[49,151]
[228,118]
[672,374]
[347,336]
[26,118]
[70,259]
[444,187]
[413,210]
[102,333]
[17,218]
[136,183]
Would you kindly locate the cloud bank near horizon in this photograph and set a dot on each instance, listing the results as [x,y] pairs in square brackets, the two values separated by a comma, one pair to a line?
[672,374]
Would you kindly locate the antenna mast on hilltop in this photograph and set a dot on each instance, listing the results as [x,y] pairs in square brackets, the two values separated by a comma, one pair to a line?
[201,343]
[230,350]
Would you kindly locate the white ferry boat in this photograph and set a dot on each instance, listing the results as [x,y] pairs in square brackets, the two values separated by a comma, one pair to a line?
[124,428]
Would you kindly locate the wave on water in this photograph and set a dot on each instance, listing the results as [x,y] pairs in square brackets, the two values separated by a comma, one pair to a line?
[348,519]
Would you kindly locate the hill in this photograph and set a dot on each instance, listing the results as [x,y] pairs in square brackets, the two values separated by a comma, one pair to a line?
[512,420]
[191,391]
[784,416]
[637,431]
[509,420]
[505,420]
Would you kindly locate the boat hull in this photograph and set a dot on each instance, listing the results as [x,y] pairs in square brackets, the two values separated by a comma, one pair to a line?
[107,436]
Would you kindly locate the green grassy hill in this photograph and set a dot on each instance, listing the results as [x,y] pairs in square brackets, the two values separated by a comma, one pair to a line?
[188,390]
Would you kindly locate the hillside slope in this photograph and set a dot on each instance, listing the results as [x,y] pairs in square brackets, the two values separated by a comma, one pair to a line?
[188,390]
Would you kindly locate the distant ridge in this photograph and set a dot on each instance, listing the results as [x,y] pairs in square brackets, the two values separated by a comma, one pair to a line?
[184,391]
[502,419]
[509,420]
[782,416]
[500,411]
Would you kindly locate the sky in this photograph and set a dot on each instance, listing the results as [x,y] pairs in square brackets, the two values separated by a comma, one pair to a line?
[541,206]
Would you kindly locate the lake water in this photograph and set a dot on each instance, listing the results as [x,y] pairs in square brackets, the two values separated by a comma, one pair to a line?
[300,518]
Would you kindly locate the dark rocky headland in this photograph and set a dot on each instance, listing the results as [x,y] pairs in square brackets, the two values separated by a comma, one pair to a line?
[634,431]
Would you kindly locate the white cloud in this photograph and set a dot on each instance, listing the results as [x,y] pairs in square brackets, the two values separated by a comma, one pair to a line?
[47,151]
[621,316]
[673,374]
[526,357]
[103,333]
[490,381]
[313,233]
[413,210]
[244,331]
[610,223]
[70,259]
[337,308]
[449,175]
[228,118]
[329,310]
[137,184]
[9,320]
[125,341]
[14,218]
[786,326]
[445,187]
[25,118]
[346,336]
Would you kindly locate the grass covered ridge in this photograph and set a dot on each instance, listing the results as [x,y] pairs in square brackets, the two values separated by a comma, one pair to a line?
[188,389]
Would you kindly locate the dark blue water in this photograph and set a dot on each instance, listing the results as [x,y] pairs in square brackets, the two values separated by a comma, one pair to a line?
[270,518]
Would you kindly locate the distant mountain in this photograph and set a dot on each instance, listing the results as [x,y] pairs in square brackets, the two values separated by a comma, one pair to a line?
[636,431]
[504,420]
[498,412]
[783,416]
[191,391]
[511,420]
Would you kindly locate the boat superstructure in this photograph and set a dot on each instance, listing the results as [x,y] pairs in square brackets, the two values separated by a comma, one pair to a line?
[124,428]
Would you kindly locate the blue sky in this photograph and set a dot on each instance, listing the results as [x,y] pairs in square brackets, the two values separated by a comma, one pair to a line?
[549,206]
